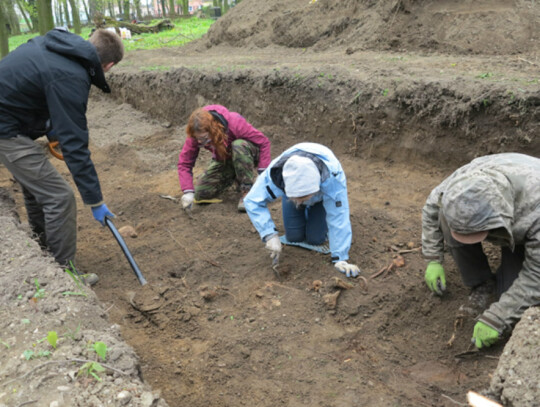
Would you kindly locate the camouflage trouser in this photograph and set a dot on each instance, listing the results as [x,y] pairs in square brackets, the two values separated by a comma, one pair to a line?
[241,167]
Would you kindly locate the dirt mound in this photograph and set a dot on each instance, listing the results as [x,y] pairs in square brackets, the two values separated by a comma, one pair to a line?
[498,27]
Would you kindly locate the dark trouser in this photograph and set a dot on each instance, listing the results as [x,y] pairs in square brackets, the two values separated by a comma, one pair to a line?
[241,167]
[473,264]
[304,224]
[49,200]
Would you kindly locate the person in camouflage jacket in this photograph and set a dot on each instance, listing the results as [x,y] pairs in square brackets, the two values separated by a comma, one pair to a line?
[494,198]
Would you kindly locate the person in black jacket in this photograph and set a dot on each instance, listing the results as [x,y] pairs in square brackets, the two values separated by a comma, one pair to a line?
[47,81]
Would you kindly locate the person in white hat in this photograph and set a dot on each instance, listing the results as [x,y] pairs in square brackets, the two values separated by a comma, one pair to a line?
[311,182]
[494,198]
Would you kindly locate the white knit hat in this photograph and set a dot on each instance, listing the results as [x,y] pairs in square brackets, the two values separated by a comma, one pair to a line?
[301,177]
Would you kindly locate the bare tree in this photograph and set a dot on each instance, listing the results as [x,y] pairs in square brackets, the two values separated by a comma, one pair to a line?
[75,15]
[4,35]
[120,7]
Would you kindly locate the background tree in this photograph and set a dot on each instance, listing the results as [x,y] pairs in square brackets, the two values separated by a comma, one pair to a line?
[75,15]
[163,8]
[45,16]
[58,13]
[25,14]
[120,8]
[225,7]
[4,35]
[13,18]
[66,12]
[110,7]
[86,10]
[127,16]
[184,4]
[95,8]
[137,5]
[172,8]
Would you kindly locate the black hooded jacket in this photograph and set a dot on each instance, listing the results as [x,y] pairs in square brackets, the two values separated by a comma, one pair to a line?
[49,77]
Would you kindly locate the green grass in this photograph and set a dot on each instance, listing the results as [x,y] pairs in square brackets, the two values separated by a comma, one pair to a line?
[184,31]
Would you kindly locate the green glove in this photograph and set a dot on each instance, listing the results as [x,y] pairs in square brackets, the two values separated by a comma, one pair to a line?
[435,278]
[484,335]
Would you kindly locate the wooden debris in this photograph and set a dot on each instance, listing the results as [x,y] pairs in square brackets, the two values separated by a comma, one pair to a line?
[339,283]
[128,231]
[104,21]
[316,285]
[330,300]
[477,400]
[207,294]
[397,261]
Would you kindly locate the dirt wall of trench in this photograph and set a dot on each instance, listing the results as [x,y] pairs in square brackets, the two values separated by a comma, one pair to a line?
[444,121]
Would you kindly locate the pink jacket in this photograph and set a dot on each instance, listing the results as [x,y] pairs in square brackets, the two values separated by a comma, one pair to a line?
[238,128]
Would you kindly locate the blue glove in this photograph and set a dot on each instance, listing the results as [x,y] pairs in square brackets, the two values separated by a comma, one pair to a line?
[101,212]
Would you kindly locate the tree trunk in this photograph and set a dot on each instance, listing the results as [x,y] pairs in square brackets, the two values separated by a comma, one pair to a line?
[215,3]
[135,28]
[163,9]
[4,36]
[25,16]
[185,7]
[75,16]
[33,5]
[137,4]
[110,6]
[172,9]
[13,18]
[127,16]
[86,11]
[59,14]
[66,12]
[45,16]
[96,8]
[225,6]
[120,8]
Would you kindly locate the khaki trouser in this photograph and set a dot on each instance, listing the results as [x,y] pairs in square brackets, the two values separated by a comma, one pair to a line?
[49,200]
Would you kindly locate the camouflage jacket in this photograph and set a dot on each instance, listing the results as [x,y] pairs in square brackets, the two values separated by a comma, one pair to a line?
[502,192]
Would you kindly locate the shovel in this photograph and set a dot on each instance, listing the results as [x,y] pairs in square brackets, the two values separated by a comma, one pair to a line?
[126,251]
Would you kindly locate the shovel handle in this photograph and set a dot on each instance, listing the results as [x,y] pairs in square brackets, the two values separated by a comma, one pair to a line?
[126,251]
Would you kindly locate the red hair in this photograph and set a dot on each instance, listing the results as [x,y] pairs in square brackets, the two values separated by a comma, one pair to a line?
[201,121]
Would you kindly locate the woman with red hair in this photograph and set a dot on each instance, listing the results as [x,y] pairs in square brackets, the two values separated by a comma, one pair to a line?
[239,152]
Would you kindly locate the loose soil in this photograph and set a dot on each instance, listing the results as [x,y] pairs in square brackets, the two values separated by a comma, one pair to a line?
[215,326]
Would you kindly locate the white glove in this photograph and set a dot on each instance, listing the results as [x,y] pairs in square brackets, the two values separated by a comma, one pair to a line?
[350,270]
[274,245]
[187,200]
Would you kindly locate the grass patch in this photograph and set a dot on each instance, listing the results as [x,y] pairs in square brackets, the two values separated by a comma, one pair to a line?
[184,31]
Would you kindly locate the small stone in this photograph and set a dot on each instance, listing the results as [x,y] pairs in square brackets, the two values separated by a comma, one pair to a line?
[147,399]
[63,388]
[124,397]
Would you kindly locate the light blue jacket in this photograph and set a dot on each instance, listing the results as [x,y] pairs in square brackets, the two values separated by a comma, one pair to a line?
[269,187]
